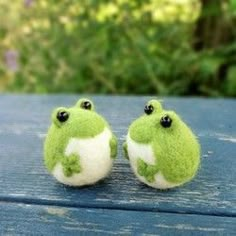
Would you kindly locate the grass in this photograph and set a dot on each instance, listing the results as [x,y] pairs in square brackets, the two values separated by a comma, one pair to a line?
[120,47]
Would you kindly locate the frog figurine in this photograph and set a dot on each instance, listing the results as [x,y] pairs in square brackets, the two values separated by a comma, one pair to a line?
[162,150]
[80,147]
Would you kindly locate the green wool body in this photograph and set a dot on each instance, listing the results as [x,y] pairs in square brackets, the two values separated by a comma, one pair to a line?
[162,149]
[80,147]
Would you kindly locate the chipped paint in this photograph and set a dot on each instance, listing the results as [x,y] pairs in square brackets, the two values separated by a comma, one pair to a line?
[209,152]
[17,194]
[232,140]
[94,230]
[225,137]
[189,227]
[56,211]
[41,135]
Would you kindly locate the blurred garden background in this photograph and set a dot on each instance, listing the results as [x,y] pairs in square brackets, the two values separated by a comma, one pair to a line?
[162,47]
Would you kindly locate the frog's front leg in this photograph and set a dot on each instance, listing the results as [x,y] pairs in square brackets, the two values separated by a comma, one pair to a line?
[113,146]
[147,171]
[71,165]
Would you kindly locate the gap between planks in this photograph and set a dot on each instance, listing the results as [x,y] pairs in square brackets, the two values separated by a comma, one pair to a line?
[43,202]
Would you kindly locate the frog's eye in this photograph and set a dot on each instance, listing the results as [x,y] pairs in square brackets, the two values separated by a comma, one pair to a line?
[166,121]
[86,105]
[62,116]
[148,109]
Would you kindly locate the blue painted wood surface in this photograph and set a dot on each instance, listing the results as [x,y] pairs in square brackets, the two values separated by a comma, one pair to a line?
[51,220]
[23,179]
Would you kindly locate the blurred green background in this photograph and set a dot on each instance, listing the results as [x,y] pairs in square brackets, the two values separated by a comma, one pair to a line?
[162,47]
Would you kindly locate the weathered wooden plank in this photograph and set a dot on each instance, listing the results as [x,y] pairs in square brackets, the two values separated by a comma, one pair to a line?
[23,124]
[43,220]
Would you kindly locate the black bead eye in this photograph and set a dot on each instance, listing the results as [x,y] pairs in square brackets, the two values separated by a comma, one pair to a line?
[148,109]
[86,105]
[166,121]
[62,116]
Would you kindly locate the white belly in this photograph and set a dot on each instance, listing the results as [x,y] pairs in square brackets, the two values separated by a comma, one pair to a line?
[144,151]
[95,159]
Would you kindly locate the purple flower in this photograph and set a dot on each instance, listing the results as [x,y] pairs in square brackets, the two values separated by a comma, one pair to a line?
[11,60]
[28,3]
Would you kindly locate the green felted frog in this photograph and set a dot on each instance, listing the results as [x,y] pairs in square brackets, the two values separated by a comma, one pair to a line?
[162,150]
[80,147]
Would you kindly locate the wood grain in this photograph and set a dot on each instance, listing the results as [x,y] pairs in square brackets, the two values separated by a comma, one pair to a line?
[23,124]
[21,219]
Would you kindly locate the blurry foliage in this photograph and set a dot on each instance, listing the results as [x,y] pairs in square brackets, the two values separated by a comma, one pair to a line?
[166,47]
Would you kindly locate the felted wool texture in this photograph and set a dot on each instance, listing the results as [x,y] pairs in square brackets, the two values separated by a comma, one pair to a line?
[81,150]
[143,164]
[162,157]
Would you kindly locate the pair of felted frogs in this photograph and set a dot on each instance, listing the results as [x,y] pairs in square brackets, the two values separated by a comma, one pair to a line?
[80,147]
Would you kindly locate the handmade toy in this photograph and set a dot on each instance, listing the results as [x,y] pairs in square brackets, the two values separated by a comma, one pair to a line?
[162,150]
[80,147]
